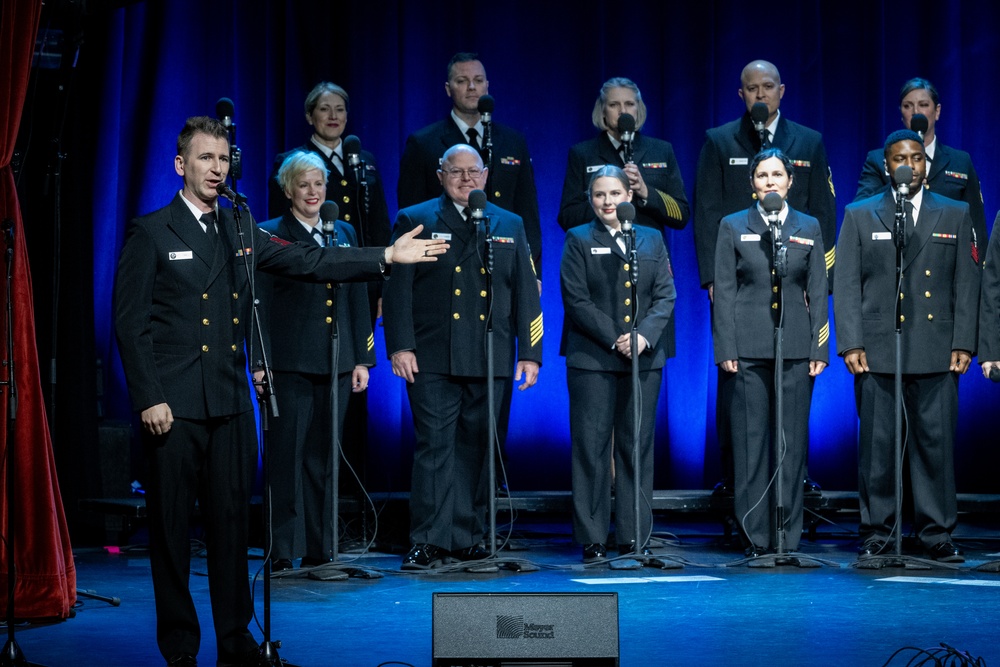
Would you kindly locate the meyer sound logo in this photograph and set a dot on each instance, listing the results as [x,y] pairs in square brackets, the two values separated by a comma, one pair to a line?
[514,627]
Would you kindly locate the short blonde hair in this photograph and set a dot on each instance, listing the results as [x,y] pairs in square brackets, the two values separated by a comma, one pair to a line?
[298,163]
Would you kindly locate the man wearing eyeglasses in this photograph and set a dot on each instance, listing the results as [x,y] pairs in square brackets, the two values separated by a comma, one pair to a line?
[435,335]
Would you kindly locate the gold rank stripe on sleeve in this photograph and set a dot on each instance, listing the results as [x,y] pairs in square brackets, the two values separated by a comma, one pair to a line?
[829,180]
[957,174]
[673,210]
[824,334]
[802,240]
[831,257]
[371,342]
[536,330]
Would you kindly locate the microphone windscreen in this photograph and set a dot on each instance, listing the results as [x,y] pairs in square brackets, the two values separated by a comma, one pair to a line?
[995,373]
[759,113]
[918,123]
[477,200]
[771,202]
[329,211]
[625,210]
[352,145]
[224,108]
[902,175]
[626,123]
[485,104]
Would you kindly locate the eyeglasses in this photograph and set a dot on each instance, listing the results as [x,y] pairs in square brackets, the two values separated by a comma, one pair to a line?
[456,174]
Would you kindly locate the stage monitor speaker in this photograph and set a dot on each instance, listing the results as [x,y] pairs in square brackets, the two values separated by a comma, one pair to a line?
[525,630]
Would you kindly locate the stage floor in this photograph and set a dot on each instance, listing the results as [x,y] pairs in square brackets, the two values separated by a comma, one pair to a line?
[713,611]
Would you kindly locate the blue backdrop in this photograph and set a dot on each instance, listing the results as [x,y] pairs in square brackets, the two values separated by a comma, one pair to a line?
[149,65]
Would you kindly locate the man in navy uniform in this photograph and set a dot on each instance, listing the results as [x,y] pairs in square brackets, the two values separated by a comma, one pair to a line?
[435,335]
[939,294]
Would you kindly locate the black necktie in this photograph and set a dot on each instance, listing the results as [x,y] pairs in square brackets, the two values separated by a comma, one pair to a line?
[319,236]
[209,220]
[467,214]
[766,143]
[908,220]
[473,134]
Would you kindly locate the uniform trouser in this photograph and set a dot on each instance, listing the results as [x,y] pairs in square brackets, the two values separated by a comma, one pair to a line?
[600,404]
[449,488]
[752,415]
[300,458]
[212,462]
[930,417]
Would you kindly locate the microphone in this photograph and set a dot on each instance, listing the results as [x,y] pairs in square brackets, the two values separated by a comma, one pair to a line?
[328,213]
[625,212]
[918,123]
[227,192]
[477,204]
[224,111]
[772,203]
[485,108]
[626,131]
[352,149]
[758,115]
[902,177]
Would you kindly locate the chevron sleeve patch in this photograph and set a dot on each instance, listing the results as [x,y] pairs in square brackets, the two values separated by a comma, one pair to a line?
[829,179]
[831,257]
[824,334]
[371,342]
[536,330]
[673,209]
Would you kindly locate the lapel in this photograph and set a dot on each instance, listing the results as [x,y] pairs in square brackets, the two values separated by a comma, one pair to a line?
[602,237]
[927,220]
[757,224]
[607,153]
[745,137]
[462,232]
[293,231]
[885,210]
[792,225]
[452,135]
[942,157]
[784,138]
[188,229]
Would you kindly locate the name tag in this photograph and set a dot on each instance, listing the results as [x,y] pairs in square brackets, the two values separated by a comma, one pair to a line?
[593,167]
[733,161]
[749,237]
[443,236]
[600,251]
[881,236]
[181,254]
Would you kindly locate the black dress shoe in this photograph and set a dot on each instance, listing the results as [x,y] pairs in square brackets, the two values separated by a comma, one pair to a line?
[182,660]
[281,564]
[594,552]
[629,550]
[811,488]
[308,561]
[475,552]
[873,547]
[423,557]
[946,552]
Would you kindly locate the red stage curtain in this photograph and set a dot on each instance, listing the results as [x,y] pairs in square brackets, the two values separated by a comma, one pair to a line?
[46,576]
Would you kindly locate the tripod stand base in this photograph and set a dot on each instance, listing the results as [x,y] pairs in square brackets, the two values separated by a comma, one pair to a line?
[992,566]
[906,562]
[786,560]
[340,572]
[12,656]
[267,656]
[491,565]
[632,563]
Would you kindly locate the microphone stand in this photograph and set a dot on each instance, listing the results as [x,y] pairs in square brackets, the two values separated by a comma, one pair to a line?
[493,563]
[636,559]
[779,262]
[330,241]
[267,655]
[12,655]
[487,120]
[629,155]
[897,559]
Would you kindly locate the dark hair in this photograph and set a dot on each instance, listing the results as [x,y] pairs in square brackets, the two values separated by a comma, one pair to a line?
[461,57]
[769,153]
[916,83]
[312,99]
[213,127]
[609,171]
[900,135]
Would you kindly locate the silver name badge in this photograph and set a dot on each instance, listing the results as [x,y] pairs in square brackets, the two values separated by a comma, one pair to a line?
[600,251]
[749,237]
[181,254]
[734,161]
[444,236]
[881,236]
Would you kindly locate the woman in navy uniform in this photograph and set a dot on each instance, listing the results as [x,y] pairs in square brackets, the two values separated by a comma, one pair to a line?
[596,289]
[746,313]
[300,322]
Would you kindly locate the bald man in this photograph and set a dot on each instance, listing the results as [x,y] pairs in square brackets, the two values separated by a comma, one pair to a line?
[722,187]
